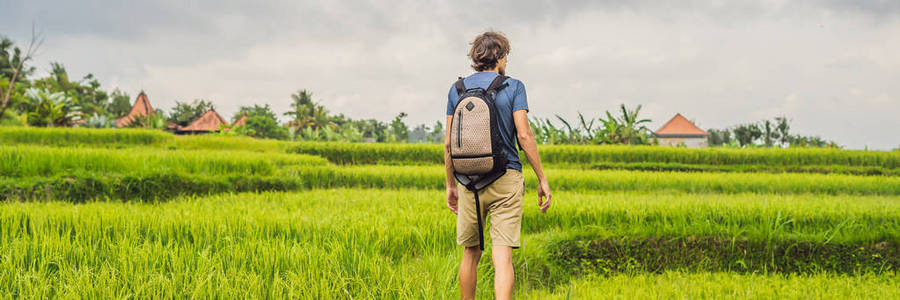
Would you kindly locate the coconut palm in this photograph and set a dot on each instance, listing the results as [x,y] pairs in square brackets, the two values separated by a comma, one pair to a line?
[305,113]
[769,133]
[782,125]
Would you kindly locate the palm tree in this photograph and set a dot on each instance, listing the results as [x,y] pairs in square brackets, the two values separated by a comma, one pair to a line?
[783,127]
[308,114]
[769,133]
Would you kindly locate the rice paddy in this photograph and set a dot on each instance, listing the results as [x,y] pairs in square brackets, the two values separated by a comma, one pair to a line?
[152,215]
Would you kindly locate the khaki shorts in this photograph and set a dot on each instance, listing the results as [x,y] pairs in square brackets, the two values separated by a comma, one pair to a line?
[502,200]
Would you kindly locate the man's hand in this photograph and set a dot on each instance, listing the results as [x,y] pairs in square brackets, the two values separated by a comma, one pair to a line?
[452,198]
[544,191]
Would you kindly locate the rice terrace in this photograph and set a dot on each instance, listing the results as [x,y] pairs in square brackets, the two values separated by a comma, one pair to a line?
[110,213]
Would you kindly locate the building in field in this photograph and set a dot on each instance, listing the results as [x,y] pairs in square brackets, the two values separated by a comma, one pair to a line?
[140,108]
[240,121]
[679,131]
[210,121]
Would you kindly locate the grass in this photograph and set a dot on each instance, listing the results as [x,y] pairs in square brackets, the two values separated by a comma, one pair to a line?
[137,213]
[26,160]
[347,153]
[81,136]
[679,167]
[353,243]
[682,285]
[80,186]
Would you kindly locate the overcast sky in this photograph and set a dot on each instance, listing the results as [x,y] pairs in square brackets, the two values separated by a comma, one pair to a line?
[832,67]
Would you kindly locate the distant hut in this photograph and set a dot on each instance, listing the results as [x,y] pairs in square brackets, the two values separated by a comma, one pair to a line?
[681,131]
[240,121]
[140,108]
[210,121]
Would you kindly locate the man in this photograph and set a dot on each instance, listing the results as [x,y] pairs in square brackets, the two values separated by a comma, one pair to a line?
[502,199]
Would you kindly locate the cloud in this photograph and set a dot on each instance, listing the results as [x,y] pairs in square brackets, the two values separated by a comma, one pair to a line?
[829,65]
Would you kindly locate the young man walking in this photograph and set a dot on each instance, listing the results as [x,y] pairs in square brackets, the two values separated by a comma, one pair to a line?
[501,201]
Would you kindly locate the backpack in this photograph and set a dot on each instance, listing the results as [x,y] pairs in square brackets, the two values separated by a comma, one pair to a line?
[476,147]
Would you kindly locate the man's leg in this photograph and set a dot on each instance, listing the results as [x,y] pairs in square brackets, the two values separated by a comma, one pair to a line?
[468,272]
[504,277]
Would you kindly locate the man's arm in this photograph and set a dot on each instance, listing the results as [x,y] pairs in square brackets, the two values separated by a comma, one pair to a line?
[529,145]
[452,193]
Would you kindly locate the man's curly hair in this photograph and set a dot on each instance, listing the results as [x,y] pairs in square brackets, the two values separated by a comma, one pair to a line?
[487,49]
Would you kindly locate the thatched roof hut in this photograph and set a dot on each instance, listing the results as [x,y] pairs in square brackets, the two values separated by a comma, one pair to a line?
[209,121]
[140,108]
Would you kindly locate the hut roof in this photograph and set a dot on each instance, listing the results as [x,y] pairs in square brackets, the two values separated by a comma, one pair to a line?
[240,121]
[209,121]
[140,108]
[679,126]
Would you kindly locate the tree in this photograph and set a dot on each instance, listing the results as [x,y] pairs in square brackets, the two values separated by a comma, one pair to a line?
[783,127]
[183,113]
[120,104]
[305,113]
[261,122]
[85,92]
[12,67]
[719,137]
[747,134]
[255,110]
[437,133]
[769,134]
[399,129]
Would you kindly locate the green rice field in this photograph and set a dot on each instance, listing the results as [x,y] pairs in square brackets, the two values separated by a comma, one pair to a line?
[144,214]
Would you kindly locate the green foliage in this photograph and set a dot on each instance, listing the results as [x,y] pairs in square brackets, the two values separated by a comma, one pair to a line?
[97,121]
[25,161]
[747,134]
[582,156]
[305,113]
[399,130]
[120,103]
[10,57]
[618,254]
[184,113]
[261,122]
[428,134]
[680,167]
[726,285]
[295,245]
[156,120]
[624,129]
[709,210]
[766,133]
[82,136]
[51,109]
[85,93]
[719,137]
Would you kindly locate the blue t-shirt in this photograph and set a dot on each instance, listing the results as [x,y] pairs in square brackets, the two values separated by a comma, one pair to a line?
[510,99]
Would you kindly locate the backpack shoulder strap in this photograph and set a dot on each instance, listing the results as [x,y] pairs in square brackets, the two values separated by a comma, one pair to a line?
[460,87]
[498,84]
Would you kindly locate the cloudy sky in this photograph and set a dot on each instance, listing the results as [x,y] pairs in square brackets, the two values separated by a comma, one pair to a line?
[833,67]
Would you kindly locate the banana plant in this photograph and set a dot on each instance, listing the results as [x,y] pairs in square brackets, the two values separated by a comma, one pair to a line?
[51,109]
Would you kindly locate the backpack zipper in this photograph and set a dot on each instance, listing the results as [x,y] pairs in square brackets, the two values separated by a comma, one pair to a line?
[459,131]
